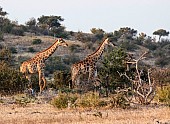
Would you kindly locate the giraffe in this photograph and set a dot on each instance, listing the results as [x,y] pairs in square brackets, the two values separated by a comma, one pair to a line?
[37,63]
[88,65]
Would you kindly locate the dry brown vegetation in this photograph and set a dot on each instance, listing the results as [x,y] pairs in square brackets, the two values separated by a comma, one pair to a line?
[35,113]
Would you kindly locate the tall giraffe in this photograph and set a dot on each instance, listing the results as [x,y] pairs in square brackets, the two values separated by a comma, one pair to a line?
[37,63]
[88,65]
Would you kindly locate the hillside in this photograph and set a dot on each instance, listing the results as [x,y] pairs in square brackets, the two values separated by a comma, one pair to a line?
[22,44]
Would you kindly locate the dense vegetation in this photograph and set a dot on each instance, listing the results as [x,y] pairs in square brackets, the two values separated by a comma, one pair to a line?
[127,40]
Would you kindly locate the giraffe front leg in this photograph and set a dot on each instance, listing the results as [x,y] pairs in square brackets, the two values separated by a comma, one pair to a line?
[91,75]
[40,78]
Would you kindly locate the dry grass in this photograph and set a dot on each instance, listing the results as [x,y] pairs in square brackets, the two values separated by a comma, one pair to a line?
[47,114]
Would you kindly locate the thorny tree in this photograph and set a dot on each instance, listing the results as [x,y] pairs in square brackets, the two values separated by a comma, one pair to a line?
[142,87]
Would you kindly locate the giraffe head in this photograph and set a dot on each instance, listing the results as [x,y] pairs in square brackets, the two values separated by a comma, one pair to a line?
[107,42]
[23,67]
[62,42]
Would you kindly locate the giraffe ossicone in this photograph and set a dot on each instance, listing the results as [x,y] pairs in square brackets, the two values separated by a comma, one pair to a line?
[37,63]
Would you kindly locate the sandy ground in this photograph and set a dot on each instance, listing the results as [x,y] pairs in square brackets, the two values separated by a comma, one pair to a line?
[47,114]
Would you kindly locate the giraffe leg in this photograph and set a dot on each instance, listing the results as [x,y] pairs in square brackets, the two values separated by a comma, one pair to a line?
[74,78]
[77,81]
[40,78]
[45,82]
[91,74]
[28,77]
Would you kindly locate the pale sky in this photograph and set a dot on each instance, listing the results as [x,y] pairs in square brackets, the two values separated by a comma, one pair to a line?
[82,15]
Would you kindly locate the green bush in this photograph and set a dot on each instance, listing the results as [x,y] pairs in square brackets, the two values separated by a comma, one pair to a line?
[31,49]
[13,50]
[17,31]
[86,100]
[75,48]
[11,81]
[36,41]
[63,100]
[163,94]
[61,79]
[89,99]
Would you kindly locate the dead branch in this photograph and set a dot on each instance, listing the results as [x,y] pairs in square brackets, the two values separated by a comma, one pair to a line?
[142,89]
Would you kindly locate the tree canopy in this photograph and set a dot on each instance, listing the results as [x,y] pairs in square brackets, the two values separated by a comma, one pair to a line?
[161,32]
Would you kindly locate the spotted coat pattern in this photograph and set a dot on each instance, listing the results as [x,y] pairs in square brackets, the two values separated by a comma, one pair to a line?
[88,65]
[37,63]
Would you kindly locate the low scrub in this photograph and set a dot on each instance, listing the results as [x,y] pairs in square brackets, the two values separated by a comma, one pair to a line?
[88,100]
[119,100]
[36,41]
[64,100]
[163,95]
[11,81]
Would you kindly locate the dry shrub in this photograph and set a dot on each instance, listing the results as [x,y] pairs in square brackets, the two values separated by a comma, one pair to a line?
[163,94]
[119,100]
[89,99]
[23,99]
[63,100]
[86,100]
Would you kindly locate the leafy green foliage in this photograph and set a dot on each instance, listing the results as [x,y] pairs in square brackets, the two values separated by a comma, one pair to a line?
[55,63]
[99,33]
[52,25]
[112,63]
[161,61]
[63,100]
[17,30]
[58,32]
[23,99]
[31,50]
[129,46]
[11,80]
[74,48]
[13,50]
[36,41]
[31,22]
[51,21]
[61,79]
[88,100]
[7,26]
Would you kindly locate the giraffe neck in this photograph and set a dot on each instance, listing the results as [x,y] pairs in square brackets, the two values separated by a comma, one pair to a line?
[98,53]
[44,55]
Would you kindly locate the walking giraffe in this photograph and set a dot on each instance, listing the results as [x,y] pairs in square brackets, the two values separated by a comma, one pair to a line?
[88,65]
[37,63]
